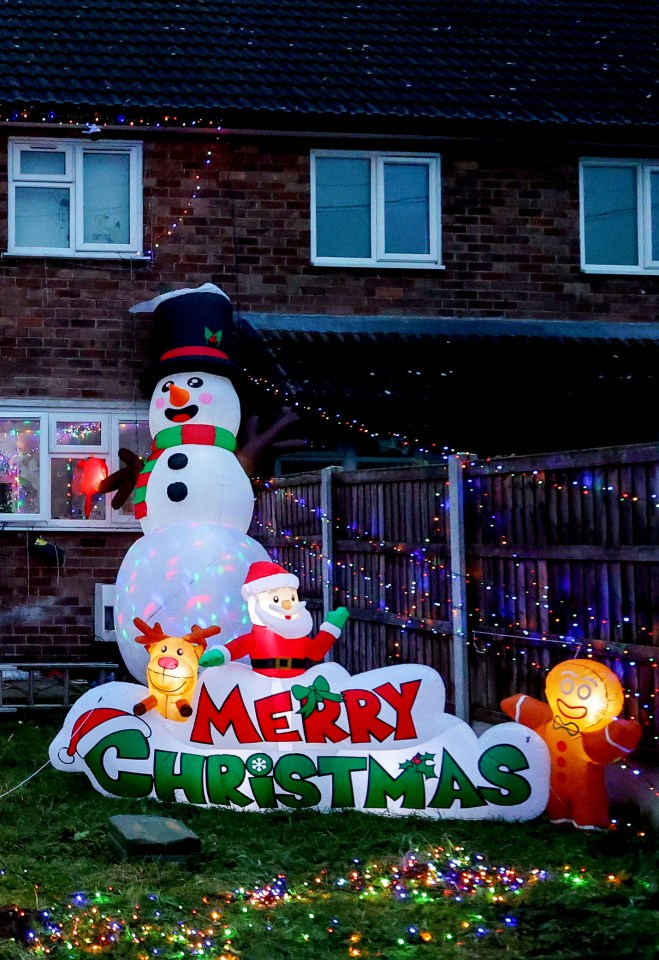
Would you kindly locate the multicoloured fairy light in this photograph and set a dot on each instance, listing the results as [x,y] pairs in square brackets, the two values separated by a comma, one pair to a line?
[92,924]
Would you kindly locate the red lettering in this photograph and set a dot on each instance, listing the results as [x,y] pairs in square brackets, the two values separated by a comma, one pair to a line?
[275,727]
[232,713]
[363,707]
[320,726]
[402,701]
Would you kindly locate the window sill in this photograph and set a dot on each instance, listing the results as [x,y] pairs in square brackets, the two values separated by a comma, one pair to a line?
[68,257]
[61,526]
[623,271]
[370,265]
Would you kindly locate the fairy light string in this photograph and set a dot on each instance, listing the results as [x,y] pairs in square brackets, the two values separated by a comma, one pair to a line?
[473,899]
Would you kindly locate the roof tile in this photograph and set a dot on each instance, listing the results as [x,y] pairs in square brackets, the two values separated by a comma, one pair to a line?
[551,61]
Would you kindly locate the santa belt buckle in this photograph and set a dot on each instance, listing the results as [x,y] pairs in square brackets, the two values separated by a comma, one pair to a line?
[283,663]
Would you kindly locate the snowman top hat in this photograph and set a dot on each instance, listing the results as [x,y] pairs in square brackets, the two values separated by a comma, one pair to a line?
[193,329]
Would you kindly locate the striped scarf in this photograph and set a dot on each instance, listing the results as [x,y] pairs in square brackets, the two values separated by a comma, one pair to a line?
[177,436]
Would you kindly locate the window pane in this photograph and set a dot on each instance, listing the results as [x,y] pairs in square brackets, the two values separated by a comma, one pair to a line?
[406,208]
[72,491]
[42,217]
[654,213]
[106,199]
[44,162]
[77,433]
[136,437]
[19,466]
[610,215]
[343,207]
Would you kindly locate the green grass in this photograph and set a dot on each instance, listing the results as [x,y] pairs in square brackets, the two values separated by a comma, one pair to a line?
[599,899]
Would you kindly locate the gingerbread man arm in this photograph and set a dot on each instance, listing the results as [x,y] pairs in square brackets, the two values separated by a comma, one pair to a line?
[527,710]
[617,739]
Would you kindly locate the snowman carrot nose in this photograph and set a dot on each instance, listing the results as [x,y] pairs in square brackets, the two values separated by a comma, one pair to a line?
[178,397]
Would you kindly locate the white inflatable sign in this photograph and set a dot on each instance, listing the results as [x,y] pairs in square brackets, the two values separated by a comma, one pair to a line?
[379,742]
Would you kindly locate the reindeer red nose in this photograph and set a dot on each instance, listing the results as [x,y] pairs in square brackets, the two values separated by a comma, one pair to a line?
[168,663]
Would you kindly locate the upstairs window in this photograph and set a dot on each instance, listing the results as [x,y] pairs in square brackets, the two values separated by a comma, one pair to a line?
[375,209]
[619,216]
[50,458]
[75,199]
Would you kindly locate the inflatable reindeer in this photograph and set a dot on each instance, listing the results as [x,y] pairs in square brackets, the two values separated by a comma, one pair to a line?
[172,670]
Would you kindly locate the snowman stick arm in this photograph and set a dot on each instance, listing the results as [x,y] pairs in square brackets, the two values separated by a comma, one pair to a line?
[124,479]
[257,443]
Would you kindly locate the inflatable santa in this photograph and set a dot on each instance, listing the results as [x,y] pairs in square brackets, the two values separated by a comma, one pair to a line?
[279,643]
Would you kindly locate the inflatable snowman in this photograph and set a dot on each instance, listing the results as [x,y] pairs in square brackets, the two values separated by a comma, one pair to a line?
[193,498]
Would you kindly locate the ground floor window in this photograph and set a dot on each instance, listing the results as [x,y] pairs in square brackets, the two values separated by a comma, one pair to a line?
[53,456]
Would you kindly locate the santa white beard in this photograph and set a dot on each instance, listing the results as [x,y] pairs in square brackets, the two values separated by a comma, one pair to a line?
[300,624]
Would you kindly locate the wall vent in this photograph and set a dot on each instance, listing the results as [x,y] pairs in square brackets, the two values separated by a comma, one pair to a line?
[104,612]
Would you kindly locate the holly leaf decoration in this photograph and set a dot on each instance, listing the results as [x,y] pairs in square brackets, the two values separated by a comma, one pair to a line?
[421,763]
[211,337]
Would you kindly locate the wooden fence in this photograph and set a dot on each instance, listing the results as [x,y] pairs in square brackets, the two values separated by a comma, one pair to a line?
[490,572]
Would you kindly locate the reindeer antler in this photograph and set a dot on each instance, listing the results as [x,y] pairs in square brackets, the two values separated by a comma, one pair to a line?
[152,634]
[197,635]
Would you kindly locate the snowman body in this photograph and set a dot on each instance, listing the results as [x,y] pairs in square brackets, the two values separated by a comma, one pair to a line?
[194,502]
[193,475]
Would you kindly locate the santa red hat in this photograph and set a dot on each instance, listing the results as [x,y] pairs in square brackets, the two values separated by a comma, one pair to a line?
[114,718]
[266,575]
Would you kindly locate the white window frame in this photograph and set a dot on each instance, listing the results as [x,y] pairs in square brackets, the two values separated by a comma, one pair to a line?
[433,259]
[74,152]
[644,170]
[47,412]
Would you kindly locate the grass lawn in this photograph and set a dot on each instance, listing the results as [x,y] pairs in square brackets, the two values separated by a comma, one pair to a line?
[350,884]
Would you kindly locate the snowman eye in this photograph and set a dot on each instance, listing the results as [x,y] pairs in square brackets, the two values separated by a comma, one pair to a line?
[165,387]
[275,599]
[195,382]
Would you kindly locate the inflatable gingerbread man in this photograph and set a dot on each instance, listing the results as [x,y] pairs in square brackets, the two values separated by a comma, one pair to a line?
[580,725]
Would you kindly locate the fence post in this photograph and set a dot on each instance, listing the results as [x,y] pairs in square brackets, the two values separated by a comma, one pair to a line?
[327,537]
[458,587]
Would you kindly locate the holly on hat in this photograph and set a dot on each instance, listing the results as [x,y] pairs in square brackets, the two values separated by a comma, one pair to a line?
[266,575]
[192,329]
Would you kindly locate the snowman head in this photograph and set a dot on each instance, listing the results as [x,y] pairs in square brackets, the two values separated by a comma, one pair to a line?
[195,397]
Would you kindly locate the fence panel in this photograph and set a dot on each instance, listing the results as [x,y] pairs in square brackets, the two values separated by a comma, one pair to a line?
[562,561]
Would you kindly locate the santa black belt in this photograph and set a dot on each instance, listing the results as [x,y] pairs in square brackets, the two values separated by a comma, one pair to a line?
[282,663]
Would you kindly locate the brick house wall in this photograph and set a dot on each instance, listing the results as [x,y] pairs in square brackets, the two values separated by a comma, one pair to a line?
[236,212]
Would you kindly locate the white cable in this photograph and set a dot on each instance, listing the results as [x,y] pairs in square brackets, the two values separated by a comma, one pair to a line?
[18,785]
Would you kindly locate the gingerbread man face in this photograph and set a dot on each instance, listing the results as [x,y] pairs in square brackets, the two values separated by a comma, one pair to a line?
[584,693]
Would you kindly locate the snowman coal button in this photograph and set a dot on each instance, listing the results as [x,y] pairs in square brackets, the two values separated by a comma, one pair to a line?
[177,492]
[177,461]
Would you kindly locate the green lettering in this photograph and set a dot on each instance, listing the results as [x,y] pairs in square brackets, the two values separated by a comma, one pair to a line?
[130,745]
[381,785]
[189,779]
[454,784]
[224,774]
[291,773]
[499,764]
[340,769]
[263,789]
